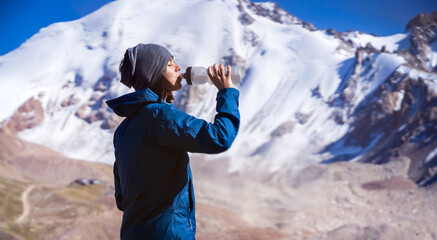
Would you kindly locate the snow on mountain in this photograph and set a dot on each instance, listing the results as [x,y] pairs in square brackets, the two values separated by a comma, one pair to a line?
[390,43]
[298,101]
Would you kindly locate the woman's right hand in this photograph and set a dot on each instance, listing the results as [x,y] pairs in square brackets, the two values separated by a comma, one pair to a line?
[219,78]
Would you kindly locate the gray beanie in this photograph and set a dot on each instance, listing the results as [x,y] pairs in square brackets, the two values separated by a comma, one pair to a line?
[148,62]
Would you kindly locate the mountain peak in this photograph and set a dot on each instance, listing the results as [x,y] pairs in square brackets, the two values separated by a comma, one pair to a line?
[423,29]
[272,11]
[427,22]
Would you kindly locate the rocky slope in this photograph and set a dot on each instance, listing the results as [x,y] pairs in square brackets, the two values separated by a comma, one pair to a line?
[39,199]
[399,117]
[336,201]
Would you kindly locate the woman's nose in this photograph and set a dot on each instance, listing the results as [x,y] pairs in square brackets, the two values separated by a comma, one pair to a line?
[178,68]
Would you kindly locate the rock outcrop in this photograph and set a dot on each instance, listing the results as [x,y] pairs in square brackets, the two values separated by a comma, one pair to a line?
[30,114]
[424,32]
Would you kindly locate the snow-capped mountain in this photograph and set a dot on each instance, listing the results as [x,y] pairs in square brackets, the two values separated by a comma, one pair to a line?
[308,95]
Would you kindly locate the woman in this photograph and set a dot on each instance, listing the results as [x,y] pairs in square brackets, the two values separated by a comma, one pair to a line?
[153,181]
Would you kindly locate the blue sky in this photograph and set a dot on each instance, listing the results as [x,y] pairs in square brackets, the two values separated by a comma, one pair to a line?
[382,17]
[20,19]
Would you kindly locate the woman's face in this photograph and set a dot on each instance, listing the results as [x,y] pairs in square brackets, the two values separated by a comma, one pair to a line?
[172,75]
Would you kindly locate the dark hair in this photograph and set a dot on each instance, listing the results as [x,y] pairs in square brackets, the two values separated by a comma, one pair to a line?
[125,69]
[162,88]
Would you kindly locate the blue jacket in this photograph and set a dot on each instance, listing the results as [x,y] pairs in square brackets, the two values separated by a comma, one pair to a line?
[153,181]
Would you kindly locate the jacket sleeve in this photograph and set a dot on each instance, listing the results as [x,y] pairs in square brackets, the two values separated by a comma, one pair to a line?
[118,196]
[185,132]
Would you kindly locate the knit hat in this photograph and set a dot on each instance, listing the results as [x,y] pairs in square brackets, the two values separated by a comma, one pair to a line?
[147,64]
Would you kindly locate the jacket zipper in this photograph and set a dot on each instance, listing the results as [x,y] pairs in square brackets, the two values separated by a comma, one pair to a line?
[191,225]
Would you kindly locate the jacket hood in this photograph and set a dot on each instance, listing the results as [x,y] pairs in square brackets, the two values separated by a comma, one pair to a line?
[129,104]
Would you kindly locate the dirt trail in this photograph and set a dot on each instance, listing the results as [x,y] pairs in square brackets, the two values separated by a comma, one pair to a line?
[26,204]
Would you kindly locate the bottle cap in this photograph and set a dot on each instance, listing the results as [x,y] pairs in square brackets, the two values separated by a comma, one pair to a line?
[187,76]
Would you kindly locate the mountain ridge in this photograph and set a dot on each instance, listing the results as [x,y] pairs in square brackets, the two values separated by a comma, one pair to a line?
[306,95]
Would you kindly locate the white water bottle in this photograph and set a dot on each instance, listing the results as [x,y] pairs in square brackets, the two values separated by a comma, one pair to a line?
[199,75]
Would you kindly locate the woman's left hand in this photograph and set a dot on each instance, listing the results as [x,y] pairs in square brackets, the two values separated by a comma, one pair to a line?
[219,78]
